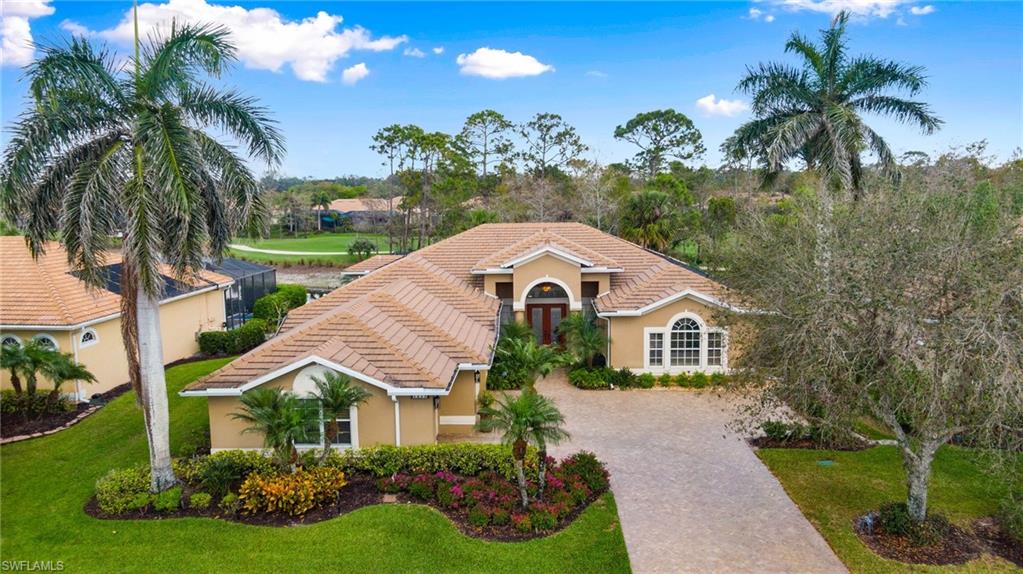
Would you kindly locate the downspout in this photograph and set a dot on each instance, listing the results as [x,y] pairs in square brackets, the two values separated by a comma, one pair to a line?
[397,421]
[74,347]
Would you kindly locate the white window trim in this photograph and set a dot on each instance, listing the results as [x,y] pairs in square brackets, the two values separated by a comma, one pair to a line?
[17,339]
[303,380]
[47,337]
[573,303]
[665,332]
[85,345]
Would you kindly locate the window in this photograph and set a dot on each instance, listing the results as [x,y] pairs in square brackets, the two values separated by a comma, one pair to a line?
[88,338]
[715,348]
[11,340]
[317,428]
[655,350]
[47,342]
[685,343]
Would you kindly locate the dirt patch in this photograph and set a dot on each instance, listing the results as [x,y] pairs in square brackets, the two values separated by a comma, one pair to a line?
[361,491]
[808,444]
[990,532]
[310,276]
[956,546]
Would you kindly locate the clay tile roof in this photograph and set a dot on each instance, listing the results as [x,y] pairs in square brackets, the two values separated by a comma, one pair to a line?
[413,319]
[372,263]
[359,204]
[45,292]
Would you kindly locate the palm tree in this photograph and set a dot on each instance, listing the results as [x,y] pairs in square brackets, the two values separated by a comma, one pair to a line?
[527,359]
[582,337]
[650,219]
[14,359]
[61,368]
[280,417]
[337,395]
[814,112]
[320,201]
[530,417]
[108,148]
[26,362]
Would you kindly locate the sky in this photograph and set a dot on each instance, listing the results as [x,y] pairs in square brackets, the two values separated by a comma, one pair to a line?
[333,73]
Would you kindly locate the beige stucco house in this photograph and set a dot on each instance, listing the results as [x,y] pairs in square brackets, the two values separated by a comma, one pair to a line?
[42,299]
[418,331]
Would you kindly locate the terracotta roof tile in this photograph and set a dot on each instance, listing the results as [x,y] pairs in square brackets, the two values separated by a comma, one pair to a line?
[372,264]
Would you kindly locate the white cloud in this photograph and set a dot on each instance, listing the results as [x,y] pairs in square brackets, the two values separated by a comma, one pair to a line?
[757,14]
[414,52]
[352,75]
[75,28]
[922,10]
[500,64]
[712,106]
[596,74]
[861,8]
[264,39]
[438,50]
[16,48]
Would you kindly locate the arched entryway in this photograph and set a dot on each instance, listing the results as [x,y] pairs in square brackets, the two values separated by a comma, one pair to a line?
[546,305]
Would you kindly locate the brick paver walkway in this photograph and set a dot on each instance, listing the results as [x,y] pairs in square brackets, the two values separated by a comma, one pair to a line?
[692,496]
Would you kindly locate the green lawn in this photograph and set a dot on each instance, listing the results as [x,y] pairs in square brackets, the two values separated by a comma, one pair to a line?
[832,497]
[322,243]
[283,260]
[45,482]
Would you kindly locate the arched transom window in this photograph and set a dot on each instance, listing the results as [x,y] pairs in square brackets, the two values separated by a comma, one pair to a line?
[685,343]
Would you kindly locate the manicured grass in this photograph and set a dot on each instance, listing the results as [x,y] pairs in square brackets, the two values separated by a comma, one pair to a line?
[285,260]
[325,242]
[832,497]
[44,484]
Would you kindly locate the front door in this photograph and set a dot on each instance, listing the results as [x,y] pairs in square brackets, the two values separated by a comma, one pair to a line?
[545,318]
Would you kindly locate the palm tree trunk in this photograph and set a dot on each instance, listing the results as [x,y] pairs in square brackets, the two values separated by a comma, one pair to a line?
[30,383]
[541,482]
[519,453]
[327,440]
[15,382]
[154,392]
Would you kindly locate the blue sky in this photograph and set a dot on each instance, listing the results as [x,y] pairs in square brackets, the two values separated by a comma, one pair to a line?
[595,64]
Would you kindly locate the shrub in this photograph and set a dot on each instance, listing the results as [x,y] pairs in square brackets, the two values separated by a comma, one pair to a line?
[293,295]
[212,343]
[140,501]
[485,400]
[230,503]
[1011,516]
[220,471]
[422,487]
[295,493]
[588,379]
[522,522]
[698,380]
[249,336]
[478,516]
[196,444]
[271,308]
[623,378]
[168,500]
[718,379]
[781,431]
[587,468]
[33,406]
[665,380]
[682,380]
[894,519]
[543,516]
[460,458]
[646,381]
[116,491]
[200,500]
[500,517]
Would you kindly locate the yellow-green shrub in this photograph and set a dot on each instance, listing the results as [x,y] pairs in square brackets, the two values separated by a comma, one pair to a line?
[295,493]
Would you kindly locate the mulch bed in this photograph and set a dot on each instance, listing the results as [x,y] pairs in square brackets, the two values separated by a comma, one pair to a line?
[957,547]
[13,425]
[807,444]
[360,491]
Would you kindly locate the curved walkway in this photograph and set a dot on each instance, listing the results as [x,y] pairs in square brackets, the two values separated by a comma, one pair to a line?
[241,247]
[692,496]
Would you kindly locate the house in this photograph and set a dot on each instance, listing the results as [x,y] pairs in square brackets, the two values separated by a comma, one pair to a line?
[42,299]
[418,332]
[363,211]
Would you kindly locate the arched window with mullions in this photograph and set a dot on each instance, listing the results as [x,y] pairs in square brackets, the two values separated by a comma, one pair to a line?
[685,343]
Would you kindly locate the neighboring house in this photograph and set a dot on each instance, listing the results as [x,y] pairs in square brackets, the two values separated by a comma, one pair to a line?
[366,211]
[418,332]
[43,299]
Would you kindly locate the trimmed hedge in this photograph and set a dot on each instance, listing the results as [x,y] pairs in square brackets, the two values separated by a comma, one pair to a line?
[606,378]
[244,338]
[212,343]
[460,458]
[293,295]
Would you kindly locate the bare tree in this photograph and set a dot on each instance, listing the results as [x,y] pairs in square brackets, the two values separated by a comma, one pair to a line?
[920,327]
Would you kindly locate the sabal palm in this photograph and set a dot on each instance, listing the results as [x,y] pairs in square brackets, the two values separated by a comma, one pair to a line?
[280,417]
[337,395]
[529,417]
[814,112]
[649,219]
[106,148]
[320,201]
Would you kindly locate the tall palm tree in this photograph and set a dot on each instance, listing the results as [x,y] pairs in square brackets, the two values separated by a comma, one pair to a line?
[321,202]
[280,417]
[337,395]
[529,417]
[108,148]
[814,112]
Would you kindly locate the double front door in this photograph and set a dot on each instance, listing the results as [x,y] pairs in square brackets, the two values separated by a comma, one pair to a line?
[545,318]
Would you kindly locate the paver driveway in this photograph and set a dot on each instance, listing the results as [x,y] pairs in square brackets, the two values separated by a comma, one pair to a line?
[691,495]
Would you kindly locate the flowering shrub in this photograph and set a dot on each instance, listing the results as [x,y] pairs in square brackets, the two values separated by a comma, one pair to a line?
[294,494]
[584,467]
[543,516]
[521,522]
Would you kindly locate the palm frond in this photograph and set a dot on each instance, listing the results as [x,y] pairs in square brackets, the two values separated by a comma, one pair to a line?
[799,44]
[869,76]
[172,63]
[904,111]
[834,50]
[237,188]
[789,135]
[885,158]
[237,115]
[78,71]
